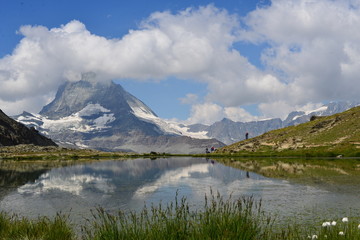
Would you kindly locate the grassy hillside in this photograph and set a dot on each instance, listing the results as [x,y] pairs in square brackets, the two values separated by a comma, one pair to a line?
[331,136]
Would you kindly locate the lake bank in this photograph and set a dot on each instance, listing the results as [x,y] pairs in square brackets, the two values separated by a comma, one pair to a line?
[219,218]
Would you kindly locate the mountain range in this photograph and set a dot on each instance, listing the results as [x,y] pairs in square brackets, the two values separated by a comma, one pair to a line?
[103,116]
[88,114]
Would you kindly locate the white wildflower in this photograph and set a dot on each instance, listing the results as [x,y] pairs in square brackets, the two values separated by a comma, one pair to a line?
[314,237]
[359,226]
[345,219]
[333,223]
[326,224]
[341,233]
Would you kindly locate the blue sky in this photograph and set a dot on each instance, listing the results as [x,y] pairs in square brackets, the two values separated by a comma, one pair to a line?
[194,61]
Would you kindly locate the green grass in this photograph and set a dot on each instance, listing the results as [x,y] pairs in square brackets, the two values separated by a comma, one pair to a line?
[14,227]
[218,219]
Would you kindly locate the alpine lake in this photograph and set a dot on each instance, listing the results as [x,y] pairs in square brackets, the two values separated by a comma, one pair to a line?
[298,190]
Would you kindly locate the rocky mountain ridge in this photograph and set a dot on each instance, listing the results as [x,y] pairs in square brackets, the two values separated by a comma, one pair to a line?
[14,133]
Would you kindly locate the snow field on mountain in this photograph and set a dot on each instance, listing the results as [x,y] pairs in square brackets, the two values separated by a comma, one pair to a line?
[165,125]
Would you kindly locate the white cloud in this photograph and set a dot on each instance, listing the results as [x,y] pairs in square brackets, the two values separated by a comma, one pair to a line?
[190,98]
[74,184]
[281,109]
[238,114]
[276,109]
[182,45]
[314,48]
[208,113]
[173,177]
[31,104]
[312,55]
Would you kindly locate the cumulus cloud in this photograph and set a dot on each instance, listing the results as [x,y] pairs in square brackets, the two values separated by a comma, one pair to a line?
[314,48]
[238,114]
[190,98]
[312,55]
[208,113]
[205,113]
[182,45]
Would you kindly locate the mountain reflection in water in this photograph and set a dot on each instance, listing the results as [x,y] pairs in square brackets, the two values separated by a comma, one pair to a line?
[128,185]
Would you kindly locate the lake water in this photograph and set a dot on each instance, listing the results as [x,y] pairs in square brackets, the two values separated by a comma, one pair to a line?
[128,184]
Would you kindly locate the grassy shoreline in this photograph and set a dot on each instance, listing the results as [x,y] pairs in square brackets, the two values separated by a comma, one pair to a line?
[38,153]
[219,218]
[70,154]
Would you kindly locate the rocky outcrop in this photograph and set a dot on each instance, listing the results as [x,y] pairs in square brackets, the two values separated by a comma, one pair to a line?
[14,133]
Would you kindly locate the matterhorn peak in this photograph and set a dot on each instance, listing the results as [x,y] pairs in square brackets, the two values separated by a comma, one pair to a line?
[102,115]
[88,76]
[94,79]
[72,97]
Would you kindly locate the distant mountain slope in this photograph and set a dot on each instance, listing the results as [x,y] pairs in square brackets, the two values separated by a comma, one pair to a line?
[102,116]
[228,131]
[335,134]
[328,109]
[14,133]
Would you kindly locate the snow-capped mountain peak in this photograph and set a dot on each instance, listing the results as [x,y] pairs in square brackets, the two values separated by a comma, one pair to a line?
[106,117]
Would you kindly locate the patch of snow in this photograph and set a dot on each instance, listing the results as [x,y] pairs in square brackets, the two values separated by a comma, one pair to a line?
[46,133]
[29,123]
[75,122]
[185,131]
[81,145]
[296,117]
[171,127]
[140,108]
[92,109]
[71,122]
[101,122]
[320,109]
[29,120]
